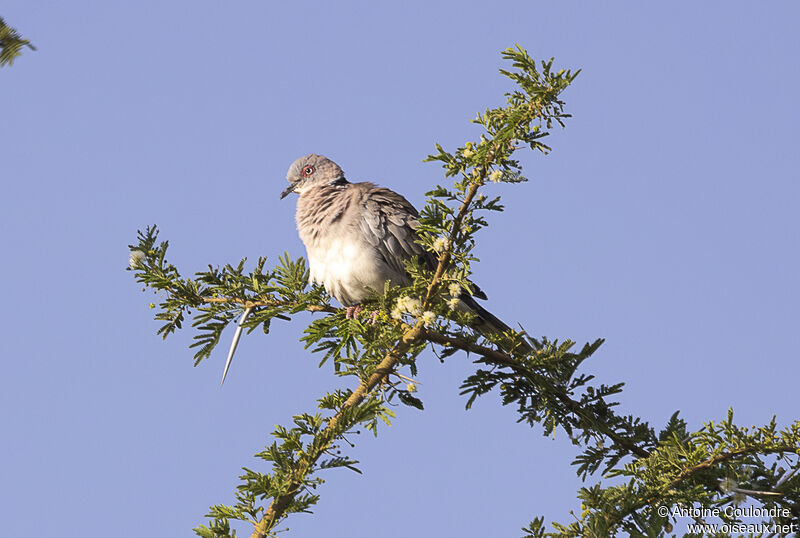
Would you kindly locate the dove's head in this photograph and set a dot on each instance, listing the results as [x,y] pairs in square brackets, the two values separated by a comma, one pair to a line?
[312,171]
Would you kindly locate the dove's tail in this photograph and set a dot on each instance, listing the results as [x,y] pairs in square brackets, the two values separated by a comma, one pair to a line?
[487,323]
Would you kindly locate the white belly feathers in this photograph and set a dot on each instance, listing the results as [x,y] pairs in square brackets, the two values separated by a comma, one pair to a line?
[347,267]
[343,256]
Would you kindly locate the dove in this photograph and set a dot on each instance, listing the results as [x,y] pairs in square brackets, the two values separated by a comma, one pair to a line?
[358,237]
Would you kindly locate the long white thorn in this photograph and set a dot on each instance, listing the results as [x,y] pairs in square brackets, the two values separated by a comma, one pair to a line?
[236,336]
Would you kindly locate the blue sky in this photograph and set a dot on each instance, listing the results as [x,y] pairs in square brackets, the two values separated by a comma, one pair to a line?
[665,220]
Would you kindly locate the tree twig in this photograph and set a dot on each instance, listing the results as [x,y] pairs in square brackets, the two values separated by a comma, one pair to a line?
[507,360]
[279,504]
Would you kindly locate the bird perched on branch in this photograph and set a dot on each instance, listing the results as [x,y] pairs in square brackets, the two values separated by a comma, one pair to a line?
[358,236]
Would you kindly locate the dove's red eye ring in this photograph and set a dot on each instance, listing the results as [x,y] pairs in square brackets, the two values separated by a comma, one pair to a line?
[308,170]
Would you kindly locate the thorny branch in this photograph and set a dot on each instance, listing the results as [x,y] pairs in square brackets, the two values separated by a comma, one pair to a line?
[278,505]
[498,357]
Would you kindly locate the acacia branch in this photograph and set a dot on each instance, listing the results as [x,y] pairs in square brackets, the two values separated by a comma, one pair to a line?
[725,456]
[574,406]
[278,505]
[268,302]
[682,477]
[446,255]
[688,473]
[11,44]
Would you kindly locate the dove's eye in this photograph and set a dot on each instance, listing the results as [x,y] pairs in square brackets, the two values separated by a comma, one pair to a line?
[307,171]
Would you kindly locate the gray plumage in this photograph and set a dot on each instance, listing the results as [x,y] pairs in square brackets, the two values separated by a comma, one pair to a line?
[358,236]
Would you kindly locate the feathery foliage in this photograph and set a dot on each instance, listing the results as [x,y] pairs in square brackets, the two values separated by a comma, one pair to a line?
[643,470]
[11,44]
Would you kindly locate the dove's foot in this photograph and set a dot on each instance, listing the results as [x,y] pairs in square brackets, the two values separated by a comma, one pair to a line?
[351,312]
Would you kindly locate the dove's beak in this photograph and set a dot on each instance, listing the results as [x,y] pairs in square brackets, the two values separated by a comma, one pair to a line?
[289,190]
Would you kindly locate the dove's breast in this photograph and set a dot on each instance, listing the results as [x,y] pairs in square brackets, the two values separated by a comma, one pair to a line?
[340,258]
